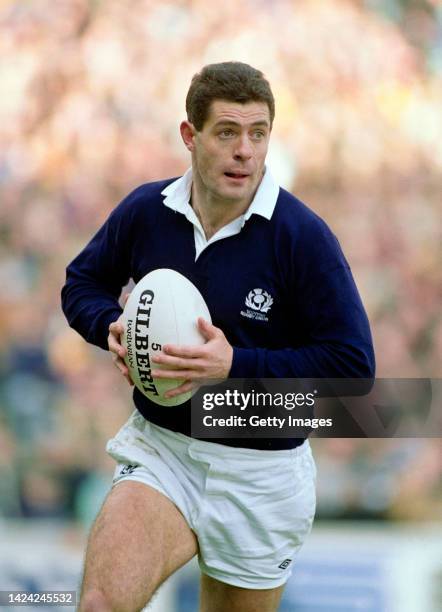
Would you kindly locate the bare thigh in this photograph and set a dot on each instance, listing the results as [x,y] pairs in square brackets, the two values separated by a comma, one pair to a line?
[218,596]
[139,539]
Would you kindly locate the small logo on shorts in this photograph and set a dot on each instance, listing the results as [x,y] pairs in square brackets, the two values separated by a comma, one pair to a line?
[285,564]
[127,469]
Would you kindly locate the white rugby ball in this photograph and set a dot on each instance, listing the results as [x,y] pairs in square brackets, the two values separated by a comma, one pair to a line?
[163,308]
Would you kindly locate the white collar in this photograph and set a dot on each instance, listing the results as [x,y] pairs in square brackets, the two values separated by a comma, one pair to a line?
[178,197]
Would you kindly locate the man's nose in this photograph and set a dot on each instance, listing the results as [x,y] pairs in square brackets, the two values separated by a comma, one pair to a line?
[243,149]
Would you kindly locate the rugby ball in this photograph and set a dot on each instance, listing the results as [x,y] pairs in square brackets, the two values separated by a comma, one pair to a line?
[163,308]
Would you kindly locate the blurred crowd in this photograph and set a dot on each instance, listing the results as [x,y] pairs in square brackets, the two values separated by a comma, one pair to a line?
[91,96]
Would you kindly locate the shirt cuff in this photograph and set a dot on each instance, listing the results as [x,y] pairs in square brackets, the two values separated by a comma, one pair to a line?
[103,328]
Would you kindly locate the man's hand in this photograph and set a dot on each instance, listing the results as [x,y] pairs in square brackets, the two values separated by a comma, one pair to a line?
[195,363]
[114,342]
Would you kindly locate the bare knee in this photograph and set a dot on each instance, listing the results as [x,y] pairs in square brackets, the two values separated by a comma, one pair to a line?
[138,540]
[94,600]
[97,600]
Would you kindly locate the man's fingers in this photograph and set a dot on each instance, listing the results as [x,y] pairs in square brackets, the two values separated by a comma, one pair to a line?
[116,328]
[189,352]
[190,374]
[120,365]
[127,376]
[177,362]
[115,346]
[209,331]
[185,387]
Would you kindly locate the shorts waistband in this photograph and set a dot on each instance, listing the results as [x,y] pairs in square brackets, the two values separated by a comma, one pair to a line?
[219,450]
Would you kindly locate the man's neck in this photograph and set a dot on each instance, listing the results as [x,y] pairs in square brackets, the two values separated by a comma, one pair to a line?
[215,213]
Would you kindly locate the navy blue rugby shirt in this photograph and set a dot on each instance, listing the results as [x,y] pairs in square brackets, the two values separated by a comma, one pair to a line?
[315,325]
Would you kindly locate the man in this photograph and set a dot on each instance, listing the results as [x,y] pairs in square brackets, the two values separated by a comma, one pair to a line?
[243,506]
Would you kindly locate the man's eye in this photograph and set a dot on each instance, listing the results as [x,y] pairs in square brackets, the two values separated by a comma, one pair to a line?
[226,133]
[258,135]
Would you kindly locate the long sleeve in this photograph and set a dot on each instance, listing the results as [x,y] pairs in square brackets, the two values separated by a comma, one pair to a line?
[95,278]
[336,340]
[340,344]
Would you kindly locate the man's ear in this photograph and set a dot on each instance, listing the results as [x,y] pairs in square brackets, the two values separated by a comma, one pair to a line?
[188,134]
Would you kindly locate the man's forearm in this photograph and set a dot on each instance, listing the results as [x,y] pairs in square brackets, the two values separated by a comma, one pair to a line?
[89,310]
[313,361]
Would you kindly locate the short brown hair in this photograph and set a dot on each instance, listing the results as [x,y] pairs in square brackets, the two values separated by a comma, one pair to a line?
[232,81]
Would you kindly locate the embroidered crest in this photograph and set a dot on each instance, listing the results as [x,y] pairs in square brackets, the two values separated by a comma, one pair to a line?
[259,299]
[258,302]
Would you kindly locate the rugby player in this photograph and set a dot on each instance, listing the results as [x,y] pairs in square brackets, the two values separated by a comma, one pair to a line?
[244,507]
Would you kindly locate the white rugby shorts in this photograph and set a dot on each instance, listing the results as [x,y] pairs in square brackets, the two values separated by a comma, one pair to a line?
[250,509]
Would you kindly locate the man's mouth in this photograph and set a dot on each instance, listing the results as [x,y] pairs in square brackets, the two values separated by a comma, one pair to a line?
[236,175]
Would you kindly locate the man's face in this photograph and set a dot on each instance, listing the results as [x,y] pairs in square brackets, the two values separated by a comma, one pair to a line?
[228,154]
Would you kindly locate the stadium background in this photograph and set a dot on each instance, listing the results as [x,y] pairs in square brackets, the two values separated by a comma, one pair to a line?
[91,95]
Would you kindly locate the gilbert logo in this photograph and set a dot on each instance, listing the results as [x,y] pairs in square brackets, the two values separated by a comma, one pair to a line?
[285,564]
[259,303]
